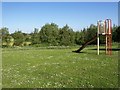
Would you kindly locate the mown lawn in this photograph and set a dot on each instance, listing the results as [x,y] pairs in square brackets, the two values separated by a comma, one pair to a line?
[58,68]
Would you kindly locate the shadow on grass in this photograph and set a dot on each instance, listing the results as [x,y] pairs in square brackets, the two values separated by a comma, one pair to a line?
[79,52]
[95,49]
[113,49]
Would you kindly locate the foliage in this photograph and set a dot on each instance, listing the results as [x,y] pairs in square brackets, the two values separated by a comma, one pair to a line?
[35,38]
[4,33]
[7,39]
[91,32]
[49,33]
[114,33]
[52,35]
[18,38]
[66,36]
[118,34]
[10,41]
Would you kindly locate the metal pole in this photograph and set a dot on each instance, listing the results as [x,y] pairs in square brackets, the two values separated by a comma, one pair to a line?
[98,44]
[98,39]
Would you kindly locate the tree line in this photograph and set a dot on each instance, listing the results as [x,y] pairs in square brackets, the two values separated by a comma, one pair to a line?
[51,34]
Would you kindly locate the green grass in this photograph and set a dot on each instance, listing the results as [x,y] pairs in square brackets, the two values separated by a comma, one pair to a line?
[58,68]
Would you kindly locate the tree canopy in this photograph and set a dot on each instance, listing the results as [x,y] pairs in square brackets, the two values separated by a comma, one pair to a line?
[51,34]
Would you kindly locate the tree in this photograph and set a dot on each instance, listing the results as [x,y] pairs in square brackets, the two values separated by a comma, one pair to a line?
[66,36]
[48,34]
[4,33]
[80,37]
[27,38]
[91,32]
[10,41]
[35,37]
[18,38]
[114,33]
[118,34]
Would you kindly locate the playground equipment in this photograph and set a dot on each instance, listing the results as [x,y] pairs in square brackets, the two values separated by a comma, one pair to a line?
[104,28]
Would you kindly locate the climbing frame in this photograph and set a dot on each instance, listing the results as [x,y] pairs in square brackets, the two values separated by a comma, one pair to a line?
[105,28]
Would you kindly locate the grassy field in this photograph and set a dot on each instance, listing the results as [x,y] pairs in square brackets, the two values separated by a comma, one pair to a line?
[58,68]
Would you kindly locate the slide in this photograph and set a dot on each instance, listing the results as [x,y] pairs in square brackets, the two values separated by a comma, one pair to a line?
[86,43]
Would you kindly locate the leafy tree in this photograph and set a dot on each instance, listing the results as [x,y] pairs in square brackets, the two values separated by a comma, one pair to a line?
[18,38]
[35,38]
[10,41]
[27,38]
[36,30]
[81,36]
[4,33]
[52,35]
[91,32]
[48,34]
[77,37]
[114,33]
[66,36]
[118,34]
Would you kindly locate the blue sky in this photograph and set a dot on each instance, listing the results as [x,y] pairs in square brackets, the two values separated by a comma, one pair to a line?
[78,15]
[119,14]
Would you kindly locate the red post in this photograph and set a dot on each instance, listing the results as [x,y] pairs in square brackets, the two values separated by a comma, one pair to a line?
[109,37]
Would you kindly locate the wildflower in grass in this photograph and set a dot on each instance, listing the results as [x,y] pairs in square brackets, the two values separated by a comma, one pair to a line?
[56,74]
[69,81]
[17,71]
[83,85]
[61,73]
[33,66]
[28,63]
[51,76]
[111,84]
[73,62]
[19,83]
[39,82]
[49,57]
[33,78]
[48,84]
[71,78]
[91,86]
[63,86]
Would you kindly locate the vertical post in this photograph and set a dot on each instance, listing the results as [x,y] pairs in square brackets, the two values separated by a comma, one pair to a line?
[98,44]
[106,29]
[106,44]
[110,37]
[98,38]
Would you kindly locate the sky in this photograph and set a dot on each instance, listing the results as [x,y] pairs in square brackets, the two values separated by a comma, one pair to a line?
[119,13]
[26,16]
